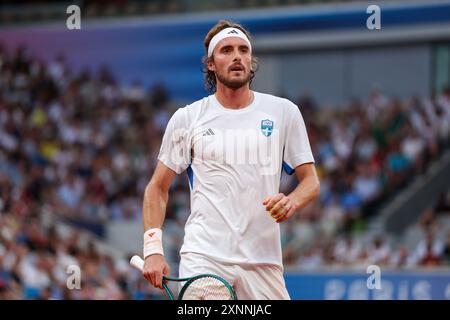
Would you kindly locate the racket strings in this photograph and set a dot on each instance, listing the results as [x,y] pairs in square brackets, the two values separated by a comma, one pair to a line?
[207,288]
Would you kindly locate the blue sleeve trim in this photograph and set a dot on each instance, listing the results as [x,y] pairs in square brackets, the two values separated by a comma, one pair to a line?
[287,168]
[190,174]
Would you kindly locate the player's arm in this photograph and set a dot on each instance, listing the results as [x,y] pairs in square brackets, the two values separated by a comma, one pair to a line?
[154,207]
[156,197]
[282,207]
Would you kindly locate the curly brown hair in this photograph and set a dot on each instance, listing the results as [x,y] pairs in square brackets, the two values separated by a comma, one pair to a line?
[210,76]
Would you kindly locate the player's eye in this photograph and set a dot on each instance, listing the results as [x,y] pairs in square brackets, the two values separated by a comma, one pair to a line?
[226,49]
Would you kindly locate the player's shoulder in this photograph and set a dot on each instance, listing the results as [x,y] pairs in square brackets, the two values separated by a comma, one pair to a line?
[196,104]
[194,107]
[190,112]
[280,102]
[189,109]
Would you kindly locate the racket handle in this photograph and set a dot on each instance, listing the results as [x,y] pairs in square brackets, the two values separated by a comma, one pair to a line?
[137,262]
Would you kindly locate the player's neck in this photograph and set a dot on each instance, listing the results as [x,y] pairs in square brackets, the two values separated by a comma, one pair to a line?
[234,98]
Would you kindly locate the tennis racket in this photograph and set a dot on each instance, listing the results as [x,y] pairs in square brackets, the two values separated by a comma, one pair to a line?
[199,287]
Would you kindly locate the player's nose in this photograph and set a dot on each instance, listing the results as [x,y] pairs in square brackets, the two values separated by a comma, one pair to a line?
[237,57]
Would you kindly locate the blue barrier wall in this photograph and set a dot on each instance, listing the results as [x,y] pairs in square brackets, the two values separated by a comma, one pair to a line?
[405,285]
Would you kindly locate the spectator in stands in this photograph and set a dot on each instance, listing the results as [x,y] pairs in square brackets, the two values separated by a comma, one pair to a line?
[379,251]
[401,258]
[443,205]
[429,251]
[446,250]
[347,251]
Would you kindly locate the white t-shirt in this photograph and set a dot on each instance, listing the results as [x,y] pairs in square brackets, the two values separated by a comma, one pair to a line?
[234,160]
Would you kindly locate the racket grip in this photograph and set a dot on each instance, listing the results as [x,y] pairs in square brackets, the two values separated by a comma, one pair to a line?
[137,262]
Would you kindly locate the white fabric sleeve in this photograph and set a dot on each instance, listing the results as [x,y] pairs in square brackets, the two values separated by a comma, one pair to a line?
[175,151]
[297,149]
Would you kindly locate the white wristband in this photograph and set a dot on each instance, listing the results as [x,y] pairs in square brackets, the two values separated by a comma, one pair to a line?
[153,242]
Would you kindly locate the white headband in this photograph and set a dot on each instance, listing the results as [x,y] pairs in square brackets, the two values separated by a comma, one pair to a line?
[226,33]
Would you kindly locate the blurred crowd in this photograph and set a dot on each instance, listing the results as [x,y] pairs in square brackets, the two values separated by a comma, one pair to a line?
[79,143]
[426,245]
[80,146]
[368,153]
[43,259]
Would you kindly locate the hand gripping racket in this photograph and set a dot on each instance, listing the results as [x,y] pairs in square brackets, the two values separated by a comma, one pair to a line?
[199,287]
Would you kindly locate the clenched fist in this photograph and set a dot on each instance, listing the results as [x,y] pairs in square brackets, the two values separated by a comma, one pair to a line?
[280,207]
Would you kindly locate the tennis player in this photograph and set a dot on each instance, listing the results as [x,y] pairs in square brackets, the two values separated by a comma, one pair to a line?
[233,145]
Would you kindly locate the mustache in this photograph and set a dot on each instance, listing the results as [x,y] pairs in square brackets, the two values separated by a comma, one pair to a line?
[236,65]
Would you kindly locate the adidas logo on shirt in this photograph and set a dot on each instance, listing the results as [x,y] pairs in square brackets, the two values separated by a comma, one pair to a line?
[208,132]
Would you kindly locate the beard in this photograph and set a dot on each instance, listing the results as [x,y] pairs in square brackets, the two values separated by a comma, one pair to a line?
[233,83]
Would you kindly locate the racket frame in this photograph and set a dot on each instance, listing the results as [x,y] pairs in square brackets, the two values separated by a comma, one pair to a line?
[138,263]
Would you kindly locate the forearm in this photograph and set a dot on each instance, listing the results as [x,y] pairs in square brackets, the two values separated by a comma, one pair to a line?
[153,214]
[305,192]
[154,206]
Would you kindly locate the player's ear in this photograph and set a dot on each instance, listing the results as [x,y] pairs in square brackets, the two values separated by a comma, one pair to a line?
[211,65]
